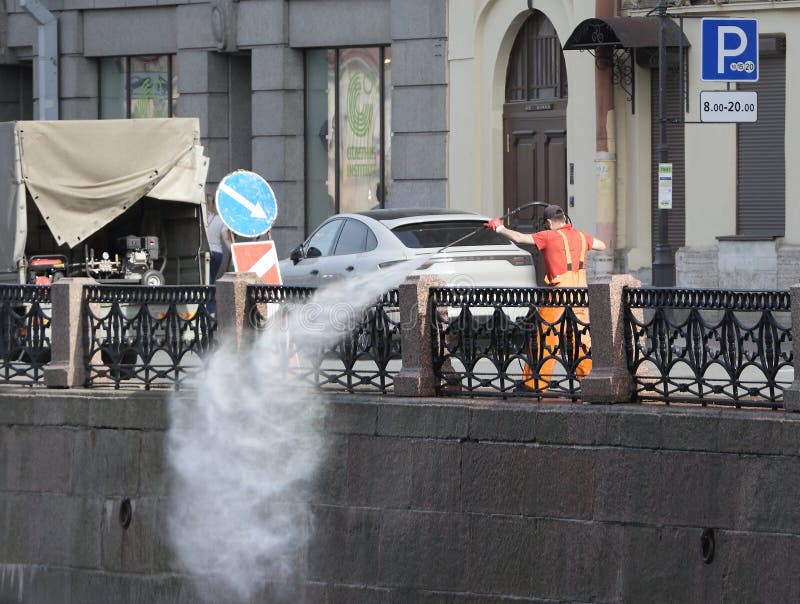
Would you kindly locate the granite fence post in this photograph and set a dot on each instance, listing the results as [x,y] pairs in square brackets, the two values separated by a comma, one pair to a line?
[609,380]
[67,366]
[416,377]
[791,396]
[232,308]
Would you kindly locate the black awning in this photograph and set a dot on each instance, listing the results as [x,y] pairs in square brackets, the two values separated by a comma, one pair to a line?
[623,32]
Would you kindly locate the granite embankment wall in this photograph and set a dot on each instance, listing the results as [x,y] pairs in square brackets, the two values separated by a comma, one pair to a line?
[425,501]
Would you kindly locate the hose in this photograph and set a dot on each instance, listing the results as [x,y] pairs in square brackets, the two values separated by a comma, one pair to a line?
[524,206]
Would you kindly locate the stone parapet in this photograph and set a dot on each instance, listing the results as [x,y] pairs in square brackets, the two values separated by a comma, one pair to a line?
[609,381]
[232,308]
[67,368]
[416,378]
[791,396]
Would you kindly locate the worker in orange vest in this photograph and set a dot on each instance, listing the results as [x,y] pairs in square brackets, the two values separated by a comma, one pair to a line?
[563,251]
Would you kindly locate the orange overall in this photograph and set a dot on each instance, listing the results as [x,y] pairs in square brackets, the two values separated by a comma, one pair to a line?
[551,316]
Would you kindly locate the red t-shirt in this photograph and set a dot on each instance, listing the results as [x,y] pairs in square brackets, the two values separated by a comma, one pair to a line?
[554,255]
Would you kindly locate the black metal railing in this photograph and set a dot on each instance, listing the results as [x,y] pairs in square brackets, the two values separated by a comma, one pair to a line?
[365,359]
[151,336]
[24,333]
[709,346]
[531,342]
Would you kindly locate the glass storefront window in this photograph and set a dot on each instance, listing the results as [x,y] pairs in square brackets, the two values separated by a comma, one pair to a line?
[360,128]
[173,63]
[113,88]
[385,193]
[138,87]
[348,104]
[320,150]
[150,86]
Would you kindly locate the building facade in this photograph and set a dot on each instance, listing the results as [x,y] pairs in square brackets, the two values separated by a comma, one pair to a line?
[734,217]
[340,105]
[353,104]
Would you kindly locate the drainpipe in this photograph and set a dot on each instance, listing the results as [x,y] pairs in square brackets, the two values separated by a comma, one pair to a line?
[605,158]
[46,59]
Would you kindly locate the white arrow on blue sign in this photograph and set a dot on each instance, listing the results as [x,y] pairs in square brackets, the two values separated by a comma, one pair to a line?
[246,203]
[729,50]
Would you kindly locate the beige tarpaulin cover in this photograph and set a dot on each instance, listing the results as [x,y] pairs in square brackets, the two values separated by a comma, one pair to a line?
[13,220]
[83,174]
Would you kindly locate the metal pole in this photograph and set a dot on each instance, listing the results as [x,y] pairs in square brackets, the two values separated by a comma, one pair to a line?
[663,264]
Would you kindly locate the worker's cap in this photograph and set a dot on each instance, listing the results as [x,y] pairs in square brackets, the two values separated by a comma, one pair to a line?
[553,211]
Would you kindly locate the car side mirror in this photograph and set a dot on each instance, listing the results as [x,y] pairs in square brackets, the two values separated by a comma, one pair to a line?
[296,254]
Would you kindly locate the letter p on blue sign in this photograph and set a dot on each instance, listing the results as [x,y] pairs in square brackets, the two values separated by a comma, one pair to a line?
[730,50]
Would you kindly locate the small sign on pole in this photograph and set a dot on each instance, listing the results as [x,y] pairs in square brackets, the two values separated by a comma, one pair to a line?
[257,257]
[722,106]
[246,203]
[664,186]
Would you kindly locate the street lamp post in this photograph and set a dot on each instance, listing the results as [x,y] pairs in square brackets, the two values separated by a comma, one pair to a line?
[663,264]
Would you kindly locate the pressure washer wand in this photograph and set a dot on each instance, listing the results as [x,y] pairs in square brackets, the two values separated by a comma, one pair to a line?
[524,206]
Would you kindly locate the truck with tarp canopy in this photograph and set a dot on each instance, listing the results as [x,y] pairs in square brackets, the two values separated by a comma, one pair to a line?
[121,201]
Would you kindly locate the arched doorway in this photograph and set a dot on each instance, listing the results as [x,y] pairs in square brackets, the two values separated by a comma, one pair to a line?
[535,123]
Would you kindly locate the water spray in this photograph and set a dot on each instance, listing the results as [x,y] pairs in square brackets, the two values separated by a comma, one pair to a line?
[244,454]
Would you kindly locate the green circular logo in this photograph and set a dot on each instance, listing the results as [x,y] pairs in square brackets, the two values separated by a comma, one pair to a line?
[360,118]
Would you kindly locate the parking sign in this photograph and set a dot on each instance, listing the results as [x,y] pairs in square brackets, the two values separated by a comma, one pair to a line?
[730,50]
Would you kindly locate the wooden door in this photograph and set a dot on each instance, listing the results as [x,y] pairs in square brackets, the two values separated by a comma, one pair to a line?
[535,160]
[535,126]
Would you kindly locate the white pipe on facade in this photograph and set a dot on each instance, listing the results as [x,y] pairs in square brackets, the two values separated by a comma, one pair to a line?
[46,58]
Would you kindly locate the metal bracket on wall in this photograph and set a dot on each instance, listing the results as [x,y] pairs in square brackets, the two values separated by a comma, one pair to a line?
[623,69]
[623,74]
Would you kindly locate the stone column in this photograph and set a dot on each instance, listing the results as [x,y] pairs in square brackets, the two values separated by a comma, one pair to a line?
[609,380]
[416,376]
[67,368]
[232,311]
[791,396]
[278,128]
[419,119]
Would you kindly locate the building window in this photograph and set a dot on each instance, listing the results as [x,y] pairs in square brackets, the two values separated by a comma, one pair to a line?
[348,150]
[536,67]
[134,87]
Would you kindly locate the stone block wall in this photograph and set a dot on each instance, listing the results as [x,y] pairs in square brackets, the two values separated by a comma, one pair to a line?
[424,500]
[739,264]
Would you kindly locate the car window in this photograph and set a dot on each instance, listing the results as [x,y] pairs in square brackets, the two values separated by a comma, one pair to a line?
[372,240]
[353,239]
[441,233]
[321,242]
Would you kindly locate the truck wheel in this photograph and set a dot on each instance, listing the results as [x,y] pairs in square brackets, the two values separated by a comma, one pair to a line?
[153,278]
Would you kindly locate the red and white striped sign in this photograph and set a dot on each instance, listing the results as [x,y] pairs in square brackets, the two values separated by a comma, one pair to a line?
[257,257]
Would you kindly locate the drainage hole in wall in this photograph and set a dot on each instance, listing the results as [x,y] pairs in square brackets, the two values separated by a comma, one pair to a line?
[125,513]
[707,545]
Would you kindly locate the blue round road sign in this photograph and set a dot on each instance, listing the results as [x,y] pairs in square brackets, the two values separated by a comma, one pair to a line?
[246,203]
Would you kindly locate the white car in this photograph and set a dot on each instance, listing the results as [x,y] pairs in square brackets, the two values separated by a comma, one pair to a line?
[349,244]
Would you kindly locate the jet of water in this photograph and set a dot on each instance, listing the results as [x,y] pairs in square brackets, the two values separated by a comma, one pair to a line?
[244,451]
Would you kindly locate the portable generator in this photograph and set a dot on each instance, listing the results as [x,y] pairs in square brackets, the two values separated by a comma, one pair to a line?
[134,260]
